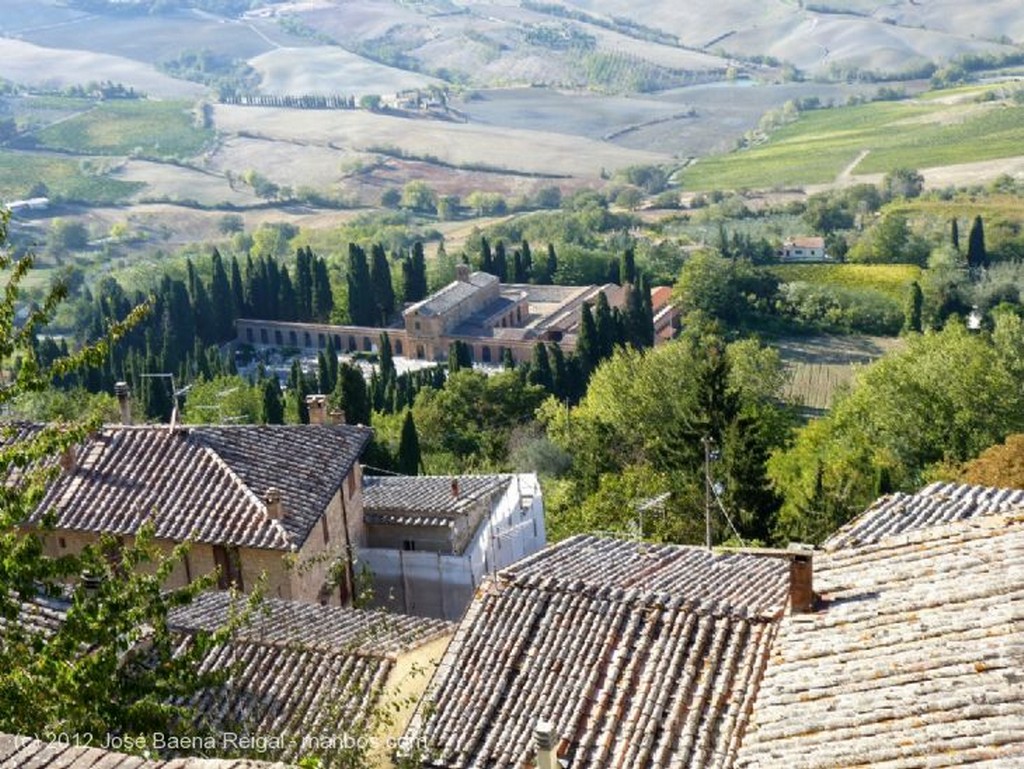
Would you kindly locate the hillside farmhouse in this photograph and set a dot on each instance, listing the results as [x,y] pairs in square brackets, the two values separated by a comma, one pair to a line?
[280,499]
[431,540]
[489,316]
[804,249]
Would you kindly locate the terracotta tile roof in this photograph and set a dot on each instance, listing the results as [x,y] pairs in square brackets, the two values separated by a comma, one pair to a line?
[206,482]
[660,297]
[18,751]
[640,655]
[934,504]
[914,659]
[296,671]
[375,633]
[808,241]
[426,500]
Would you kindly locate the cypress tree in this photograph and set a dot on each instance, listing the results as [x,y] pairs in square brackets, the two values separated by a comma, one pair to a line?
[614,272]
[299,386]
[331,354]
[387,360]
[273,407]
[418,274]
[977,257]
[286,299]
[605,327]
[955,228]
[627,270]
[587,344]
[409,460]
[486,259]
[351,395]
[500,262]
[540,368]
[527,260]
[550,266]
[272,291]
[383,291]
[238,307]
[221,300]
[304,284]
[559,372]
[460,356]
[518,275]
[360,292]
[507,361]
[323,297]
[912,308]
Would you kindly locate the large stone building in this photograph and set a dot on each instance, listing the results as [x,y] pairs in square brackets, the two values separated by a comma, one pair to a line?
[491,317]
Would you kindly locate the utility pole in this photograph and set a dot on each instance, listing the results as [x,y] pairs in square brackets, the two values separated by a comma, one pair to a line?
[708,443]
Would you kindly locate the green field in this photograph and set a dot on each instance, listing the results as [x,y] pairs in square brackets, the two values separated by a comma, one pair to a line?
[820,144]
[65,179]
[161,129]
[888,279]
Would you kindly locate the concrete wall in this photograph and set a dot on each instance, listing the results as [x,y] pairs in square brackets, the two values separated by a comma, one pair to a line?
[440,585]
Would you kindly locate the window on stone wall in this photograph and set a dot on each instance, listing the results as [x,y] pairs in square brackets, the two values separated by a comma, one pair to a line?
[229,566]
[409,544]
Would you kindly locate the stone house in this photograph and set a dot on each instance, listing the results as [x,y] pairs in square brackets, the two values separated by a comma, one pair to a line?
[803,249]
[284,500]
[431,540]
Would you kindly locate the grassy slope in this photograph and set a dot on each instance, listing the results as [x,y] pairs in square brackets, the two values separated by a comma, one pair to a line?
[155,128]
[888,279]
[820,144]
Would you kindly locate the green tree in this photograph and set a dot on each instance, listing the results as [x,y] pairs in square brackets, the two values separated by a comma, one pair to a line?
[940,400]
[273,405]
[351,396]
[977,256]
[361,309]
[902,183]
[912,307]
[383,290]
[408,461]
[88,674]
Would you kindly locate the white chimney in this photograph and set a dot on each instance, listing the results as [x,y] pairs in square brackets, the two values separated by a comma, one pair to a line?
[272,499]
[544,739]
[124,401]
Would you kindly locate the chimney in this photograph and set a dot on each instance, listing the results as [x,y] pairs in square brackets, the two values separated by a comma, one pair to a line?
[801,580]
[455,488]
[124,401]
[544,739]
[317,407]
[272,499]
[336,417]
[69,459]
[462,273]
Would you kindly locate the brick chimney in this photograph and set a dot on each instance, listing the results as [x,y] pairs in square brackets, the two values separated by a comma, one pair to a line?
[336,417]
[462,273]
[544,740]
[455,488]
[124,396]
[801,580]
[272,499]
[317,407]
